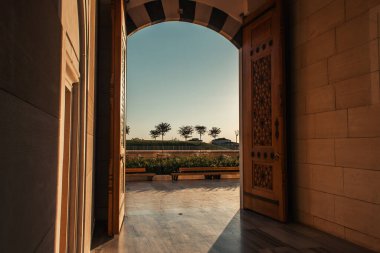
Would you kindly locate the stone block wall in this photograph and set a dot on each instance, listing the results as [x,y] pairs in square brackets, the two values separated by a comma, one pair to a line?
[335,112]
[30,67]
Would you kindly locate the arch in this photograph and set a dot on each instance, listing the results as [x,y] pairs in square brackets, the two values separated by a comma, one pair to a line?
[157,11]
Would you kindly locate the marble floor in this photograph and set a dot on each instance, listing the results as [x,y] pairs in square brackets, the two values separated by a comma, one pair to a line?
[203,216]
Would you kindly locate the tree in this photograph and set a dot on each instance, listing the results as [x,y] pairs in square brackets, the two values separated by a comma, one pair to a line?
[186,131]
[214,132]
[236,134]
[163,128]
[154,134]
[127,130]
[201,130]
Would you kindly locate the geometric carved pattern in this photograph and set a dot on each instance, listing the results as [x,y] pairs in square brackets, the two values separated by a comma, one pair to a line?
[122,97]
[262,102]
[263,176]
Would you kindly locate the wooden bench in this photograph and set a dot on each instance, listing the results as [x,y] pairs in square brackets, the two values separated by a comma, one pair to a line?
[131,173]
[208,172]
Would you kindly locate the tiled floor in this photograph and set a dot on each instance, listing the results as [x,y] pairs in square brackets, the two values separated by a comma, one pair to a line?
[204,216]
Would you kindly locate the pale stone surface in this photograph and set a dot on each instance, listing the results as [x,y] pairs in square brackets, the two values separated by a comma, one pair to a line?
[327,179]
[305,127]
[202,14]
[375,87]
[28,175]
[304,218]
[331,124]
[310,7]
[300,103]
[357,7]
[230,28]
[362,239]
[350,63]
[312,76]
[322,205]
[321,99]
[364,121]
[321,151]
[329,227]
[326,18]
[353,33]
[301,149]
[303,197]
[358,153]
[353,92]
[341,99]
[358,215]
[303,175]
[362,184]
[318,48]
[374,55]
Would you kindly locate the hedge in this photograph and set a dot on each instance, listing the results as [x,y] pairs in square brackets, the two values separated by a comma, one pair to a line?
[165,166]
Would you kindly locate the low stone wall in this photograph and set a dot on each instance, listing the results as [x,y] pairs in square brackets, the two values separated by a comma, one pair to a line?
[180,153]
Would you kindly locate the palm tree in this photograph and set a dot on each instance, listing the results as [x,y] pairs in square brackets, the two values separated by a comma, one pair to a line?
[127,130]
[163,128]
[236,134]
[154,134]
[214,132]
[186,131]
[201,130]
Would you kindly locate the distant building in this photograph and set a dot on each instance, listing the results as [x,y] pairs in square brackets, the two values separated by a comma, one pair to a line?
[223,142]
[195,139]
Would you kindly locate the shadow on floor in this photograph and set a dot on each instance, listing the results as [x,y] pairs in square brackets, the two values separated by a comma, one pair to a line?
[100,234]
[251,232]
[162,186]
[199,216]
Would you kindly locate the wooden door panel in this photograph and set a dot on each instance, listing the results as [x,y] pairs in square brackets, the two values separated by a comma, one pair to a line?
[122,124]
[264,153]
[116,193]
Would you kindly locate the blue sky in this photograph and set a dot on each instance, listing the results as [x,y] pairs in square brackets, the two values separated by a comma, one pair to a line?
[183,74]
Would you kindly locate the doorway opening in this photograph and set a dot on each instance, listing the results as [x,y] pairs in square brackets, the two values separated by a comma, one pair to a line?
[261,106]
[187,76]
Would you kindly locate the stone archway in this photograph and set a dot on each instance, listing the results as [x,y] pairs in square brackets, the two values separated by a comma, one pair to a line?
[153,12]
[117,22]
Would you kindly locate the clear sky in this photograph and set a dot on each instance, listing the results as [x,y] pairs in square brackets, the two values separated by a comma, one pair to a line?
[182,74]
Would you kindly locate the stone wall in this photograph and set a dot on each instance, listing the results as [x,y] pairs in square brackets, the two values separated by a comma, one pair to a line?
[30,67]
[334,89]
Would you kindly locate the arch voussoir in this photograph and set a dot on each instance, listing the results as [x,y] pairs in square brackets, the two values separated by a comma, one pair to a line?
[157,11]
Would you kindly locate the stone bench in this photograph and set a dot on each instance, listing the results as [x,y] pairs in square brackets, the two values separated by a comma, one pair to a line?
[133,173]
[208,172]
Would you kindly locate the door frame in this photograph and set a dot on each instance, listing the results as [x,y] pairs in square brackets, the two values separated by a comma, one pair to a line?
[118,15]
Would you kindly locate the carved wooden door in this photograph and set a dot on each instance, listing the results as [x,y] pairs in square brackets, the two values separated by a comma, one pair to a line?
[264,172]
[116,182]
[123,83]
